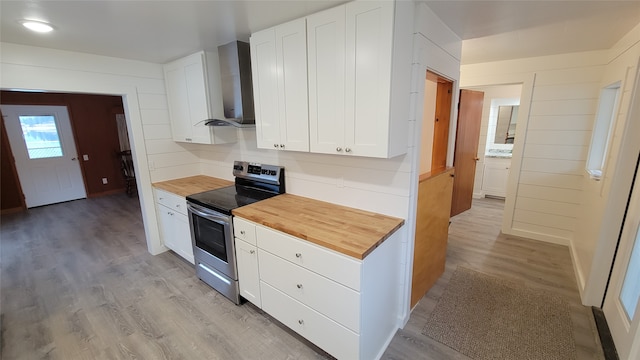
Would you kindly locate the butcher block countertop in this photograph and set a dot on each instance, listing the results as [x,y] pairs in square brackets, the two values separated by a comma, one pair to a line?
[192,185]
[350,231]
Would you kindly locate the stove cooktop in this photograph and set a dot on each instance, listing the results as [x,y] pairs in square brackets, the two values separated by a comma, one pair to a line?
[228,198]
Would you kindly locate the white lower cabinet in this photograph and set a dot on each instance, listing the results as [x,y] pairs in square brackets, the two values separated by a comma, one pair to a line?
[249,280]
[495,176]
[347,307]
[315,327]
[174,223]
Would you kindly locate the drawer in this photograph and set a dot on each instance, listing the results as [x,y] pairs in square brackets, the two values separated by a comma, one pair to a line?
[172,201]
[330,336]
[245,230]
[328,263]
[327,297]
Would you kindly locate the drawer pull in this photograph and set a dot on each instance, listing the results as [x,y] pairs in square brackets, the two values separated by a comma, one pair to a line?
[298,255]
[300,321]
[252,251]
[241,232]
[299,286]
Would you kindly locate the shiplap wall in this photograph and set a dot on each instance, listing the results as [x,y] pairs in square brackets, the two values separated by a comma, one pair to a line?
[491,93]
[550,169]
[604,201]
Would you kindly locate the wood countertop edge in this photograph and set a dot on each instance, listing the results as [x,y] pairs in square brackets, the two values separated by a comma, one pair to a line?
[359,255]
[435,173]
[170,185]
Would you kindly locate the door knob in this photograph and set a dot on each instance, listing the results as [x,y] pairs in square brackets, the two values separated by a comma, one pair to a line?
[74,159]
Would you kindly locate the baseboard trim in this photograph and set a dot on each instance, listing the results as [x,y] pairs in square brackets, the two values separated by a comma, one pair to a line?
[106,193]
[606,340]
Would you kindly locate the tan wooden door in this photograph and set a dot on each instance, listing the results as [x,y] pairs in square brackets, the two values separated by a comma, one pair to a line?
[432,231]
[466,150]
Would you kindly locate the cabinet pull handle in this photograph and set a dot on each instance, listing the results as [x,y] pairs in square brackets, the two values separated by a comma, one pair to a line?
[282,146]
[347,149]
[298,255]
[187,139]
[177,205]
[252,251]
[242,232]
[338,149]
[300,321]
[299,286]
[275,146]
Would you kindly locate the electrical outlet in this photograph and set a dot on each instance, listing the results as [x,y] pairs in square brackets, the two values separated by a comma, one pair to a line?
[104,181]
[85,157]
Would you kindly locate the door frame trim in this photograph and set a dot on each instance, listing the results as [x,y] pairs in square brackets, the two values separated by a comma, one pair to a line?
[12,165]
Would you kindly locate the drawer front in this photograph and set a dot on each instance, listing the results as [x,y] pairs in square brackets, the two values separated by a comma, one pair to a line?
[320,330]
[245,230]
[172,201]
[327,297]
[335,266]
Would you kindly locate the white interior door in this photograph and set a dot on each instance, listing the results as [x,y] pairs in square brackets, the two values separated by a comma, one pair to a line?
[45,153]
[622,302]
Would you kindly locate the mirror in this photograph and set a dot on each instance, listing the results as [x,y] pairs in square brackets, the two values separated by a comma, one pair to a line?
[506,124]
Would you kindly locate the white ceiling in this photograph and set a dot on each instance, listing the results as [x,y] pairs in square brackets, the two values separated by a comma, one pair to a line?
[160,31]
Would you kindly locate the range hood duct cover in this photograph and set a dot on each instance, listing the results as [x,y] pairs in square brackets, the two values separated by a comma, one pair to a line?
[237,87]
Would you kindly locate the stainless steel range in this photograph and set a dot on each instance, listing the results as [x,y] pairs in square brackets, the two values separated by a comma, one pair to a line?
[211,222]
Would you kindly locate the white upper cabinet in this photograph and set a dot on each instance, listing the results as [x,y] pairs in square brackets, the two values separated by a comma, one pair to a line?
[358,62]
[194,96]
[279,67]
[351,64]
[327,59]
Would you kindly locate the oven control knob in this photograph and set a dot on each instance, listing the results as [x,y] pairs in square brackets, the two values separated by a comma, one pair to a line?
[238,167]
[272,172]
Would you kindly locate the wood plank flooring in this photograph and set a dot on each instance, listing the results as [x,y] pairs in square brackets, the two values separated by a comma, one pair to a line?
[77,282]
[475,241]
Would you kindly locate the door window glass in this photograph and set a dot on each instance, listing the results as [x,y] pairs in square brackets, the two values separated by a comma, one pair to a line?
[41,136]
[631,286]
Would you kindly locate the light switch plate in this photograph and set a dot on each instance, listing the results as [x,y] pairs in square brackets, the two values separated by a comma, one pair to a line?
[85,157]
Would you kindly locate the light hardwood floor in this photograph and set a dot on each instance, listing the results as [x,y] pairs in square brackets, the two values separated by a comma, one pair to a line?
[77,282]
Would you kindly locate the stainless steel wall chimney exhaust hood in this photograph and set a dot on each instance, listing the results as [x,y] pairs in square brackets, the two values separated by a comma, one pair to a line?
[237,89]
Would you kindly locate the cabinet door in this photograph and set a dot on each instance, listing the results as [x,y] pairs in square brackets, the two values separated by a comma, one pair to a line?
[248,275]
[369,41]
[326,51]
[494,179]
[291,59]
[265,88]
[166,226]
[182,237]
[178,102]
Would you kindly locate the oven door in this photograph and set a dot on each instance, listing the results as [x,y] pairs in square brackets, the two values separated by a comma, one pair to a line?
[212,239]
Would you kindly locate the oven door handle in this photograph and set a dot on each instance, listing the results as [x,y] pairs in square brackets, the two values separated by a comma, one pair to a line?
[209,215]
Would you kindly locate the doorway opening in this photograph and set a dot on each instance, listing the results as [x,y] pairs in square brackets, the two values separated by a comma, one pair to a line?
[435,187]
[93,126]
[496,139]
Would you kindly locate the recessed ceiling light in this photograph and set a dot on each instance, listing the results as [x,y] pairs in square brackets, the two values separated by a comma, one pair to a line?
[37,26]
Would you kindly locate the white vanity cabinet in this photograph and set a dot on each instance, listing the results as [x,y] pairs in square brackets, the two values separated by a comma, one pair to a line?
[247,260]
[344,305]
[174,223]
[279,75]
[194,95]
[495,176]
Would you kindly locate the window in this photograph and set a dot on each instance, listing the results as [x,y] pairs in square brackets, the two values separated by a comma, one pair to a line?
[41,136]
[631,286]
[602,130]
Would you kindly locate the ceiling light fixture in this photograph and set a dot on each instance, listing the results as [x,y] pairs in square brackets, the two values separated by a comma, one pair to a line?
[37,26]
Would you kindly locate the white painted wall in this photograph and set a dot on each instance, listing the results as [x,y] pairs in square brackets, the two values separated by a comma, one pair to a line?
[599,223]
[494,96]
[557,107]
